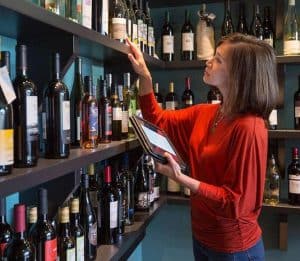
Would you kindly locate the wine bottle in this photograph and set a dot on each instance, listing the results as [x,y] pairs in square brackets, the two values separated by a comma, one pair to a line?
[171,101]
[50,5]
[74,10]
[291,38]
[141,187]
[187,97]
[77,230]
[268,27]
[75,100]
[20,248]
[93,187]
[25,114]
[205,34]
[272,183]
[227,25]
[45,239]
[124,111]
[118,21]
[297,107]
[120,191]
[242,23]
[57,115]
[256,25]
[157,180]
[158,96]
[104,17]
[96,17]
[89,117]
[132,92]
[214,96]
[150,30]
[66,243]
[187,39]
[87,13]
[116,115]
[32,221]
[273,119]
[167,40]
[105,115]
[128,181]
[88,220]
[109,210]
[294,178]
[6,233]
[6,125]
[140,18]
[133,35]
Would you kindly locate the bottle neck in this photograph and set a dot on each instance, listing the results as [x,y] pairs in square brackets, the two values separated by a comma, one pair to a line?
[43,217]
[2,219]
[74,219]
[20,235]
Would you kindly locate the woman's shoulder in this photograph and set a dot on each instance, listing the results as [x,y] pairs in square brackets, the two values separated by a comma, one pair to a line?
[250,124]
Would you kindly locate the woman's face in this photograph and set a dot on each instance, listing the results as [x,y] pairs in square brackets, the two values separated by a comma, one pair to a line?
[216,70]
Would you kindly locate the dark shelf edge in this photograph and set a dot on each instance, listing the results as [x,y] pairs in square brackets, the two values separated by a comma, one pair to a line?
[284,134]
[49,169]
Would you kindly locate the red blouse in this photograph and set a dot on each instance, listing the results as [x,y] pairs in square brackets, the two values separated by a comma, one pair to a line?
[229,161]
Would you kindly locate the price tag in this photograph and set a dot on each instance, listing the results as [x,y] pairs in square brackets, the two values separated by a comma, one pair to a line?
[6,85]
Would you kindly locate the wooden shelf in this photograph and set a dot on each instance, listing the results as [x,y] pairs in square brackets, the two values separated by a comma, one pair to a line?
[49,169]
[282,208]
[293,59]
[284,134]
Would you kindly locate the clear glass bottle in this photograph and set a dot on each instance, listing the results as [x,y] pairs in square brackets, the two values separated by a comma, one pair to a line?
[268,26]
[256,25]
[227,26]
[272,183]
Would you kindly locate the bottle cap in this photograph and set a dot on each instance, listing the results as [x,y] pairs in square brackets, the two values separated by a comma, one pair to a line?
[107,174]
[32,214]
[43,201]
[74,205]
[19,218]
[64,215]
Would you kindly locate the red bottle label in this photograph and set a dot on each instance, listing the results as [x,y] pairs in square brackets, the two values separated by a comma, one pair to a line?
[2,247]
[51,250]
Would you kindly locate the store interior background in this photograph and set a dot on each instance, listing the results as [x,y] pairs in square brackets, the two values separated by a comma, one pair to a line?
[168,237]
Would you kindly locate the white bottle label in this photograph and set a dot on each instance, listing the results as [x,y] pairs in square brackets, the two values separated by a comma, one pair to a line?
[140,29]
[125,117]
[269,41]
[44,125]
[113,207]
[71,254]
[297,111]
[156,192]
[87,13]
[105,17]
[6,85]
[135,33]
[168,44]
[294,184]
[273,117]
[31,111]
[187,41]
[117,114]
[78,129]
[118,28]
[150,36]
[173,186]
[171,105]
[92,235]
[80,248]
[291,47]
[7,147]
[66,115]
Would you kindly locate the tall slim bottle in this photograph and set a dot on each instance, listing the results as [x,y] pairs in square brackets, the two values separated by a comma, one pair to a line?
[297,107]
[133,36]
[75,100]
[89,117]
[187,96]
[242,23]
[20,248]
[93,187]
[88,220]
[187,39]
[118,21]
[158,96]
[76,229]
[294,178]
[6,125]
[167,40]
[56,118]
[150,30]
[116,115]
[6,233]
[256,25]
[171,101]
[272,183]
[124,107]
[26,114]
[268,26]
[227,26]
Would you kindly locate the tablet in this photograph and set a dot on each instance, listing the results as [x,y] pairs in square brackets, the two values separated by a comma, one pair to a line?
[155,142]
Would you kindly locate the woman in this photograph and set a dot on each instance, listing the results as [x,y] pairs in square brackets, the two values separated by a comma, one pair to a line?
[224,145]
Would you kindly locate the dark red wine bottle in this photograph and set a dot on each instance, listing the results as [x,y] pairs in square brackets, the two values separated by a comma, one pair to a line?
[167,40]
[20,247]
[88,220]
[6,126]
[57,116]
[187,39]
[120,190]
[109,210]
[25,114]
[187,96]
[294,178]
[6,232]
[45,239]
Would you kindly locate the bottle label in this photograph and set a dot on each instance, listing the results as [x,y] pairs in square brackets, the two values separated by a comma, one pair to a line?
[135,34]
[78,130]
[125,117]
[297,110]
[7,147]
[66,122]
[32,118]
[44,125]
[140,28]
[187,41]
[142,200]
[51,250]
[205,41]
[129,29]
[113,207]
[156,192]
[93,122]
[117,113]
[80,248]
[171,105]
[269,41]
[294,184]
[291,47]
[87,13]
[215,101]
[70,255]
[151,36]
[118,28]
[273,117]
[168,44]
[92,235]
[105,17]
[6,85]
[144,33]
[189,101]
[173,186]
[107,122]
